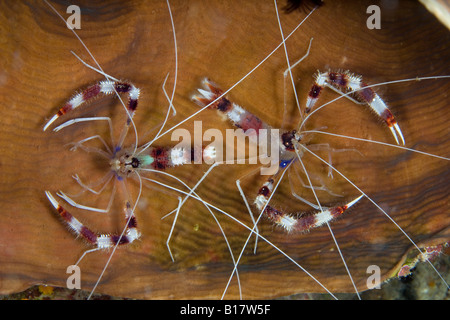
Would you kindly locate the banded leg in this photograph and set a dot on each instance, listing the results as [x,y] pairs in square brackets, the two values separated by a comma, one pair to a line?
[238,116]
[348,82]
[98,240]
[292,223]
[101,88]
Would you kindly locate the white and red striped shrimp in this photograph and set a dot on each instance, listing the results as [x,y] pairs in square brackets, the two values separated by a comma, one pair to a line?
[123,162]
[292,146]
[289,144]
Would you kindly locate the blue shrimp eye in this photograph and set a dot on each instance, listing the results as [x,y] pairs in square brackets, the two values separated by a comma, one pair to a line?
[284,163]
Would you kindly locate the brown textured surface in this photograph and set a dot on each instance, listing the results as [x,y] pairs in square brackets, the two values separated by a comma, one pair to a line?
[224,41]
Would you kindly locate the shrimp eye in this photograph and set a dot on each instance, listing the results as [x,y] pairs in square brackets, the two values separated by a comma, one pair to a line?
[135,162]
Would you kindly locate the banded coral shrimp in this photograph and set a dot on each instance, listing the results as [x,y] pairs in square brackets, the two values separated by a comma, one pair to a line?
[249,94]
[388,181]
[123,161]
[445,285]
